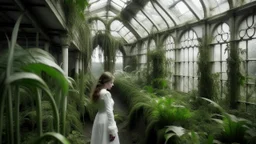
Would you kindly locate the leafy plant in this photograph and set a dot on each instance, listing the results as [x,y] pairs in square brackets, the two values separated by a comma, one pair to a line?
[234,129]
[21,70]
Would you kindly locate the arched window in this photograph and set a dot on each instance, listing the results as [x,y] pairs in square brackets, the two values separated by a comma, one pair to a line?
[152,45]
[247,37]
[169,47]
[97,65]
[119,61]
[186,62]
[219,55]
[142,56]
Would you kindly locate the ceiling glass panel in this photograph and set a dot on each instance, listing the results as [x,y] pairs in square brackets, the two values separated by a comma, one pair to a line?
[196,4]
[168,2]
[144,20]
[116,6]
[165,16]
[218,6]
[150,10]
[116,25]
[141,31]
[98,5]
[115,34]
[121,3]
[174,12]
[182,12]
[130,37]
[97,25]
[119,30]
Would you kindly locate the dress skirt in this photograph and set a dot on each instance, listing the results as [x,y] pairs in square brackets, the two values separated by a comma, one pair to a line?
[100,133]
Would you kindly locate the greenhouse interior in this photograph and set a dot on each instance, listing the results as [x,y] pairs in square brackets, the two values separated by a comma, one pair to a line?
[182,71]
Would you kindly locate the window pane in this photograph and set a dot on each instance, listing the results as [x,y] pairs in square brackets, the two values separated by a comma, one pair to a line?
[141,31]
[218,6]
[150,10]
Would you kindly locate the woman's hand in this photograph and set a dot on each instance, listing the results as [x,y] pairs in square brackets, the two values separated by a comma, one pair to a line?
[111,138]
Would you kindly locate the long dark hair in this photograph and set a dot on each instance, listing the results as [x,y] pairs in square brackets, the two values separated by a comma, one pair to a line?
[104,78]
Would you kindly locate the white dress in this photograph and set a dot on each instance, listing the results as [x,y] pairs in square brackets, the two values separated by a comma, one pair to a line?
[104,122]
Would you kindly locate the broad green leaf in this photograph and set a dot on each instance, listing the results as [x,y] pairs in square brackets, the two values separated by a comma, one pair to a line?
[52,135]
[214,104]
[51,69]
[26,78]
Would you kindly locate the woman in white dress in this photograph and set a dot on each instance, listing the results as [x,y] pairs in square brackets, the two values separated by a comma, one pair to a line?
[104,130]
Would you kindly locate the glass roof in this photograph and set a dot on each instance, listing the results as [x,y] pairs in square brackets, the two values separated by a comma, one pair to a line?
[139,18]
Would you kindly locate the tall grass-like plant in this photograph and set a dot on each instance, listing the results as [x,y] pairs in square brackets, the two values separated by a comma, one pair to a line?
[22,71]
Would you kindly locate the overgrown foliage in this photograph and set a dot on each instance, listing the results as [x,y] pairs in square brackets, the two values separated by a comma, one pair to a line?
[109,46]
[205,86]
[158,73]
[22,71]
[180,118]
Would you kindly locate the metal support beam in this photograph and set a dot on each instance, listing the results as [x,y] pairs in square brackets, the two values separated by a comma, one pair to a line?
[205,8]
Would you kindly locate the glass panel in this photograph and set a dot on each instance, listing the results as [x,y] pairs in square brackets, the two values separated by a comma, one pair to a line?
[111,14]
[123,31]
[98,5]
[152,45]
[182,12]
[141,31]
[97,62]
[218,6]
[121,3]
[130,37]
[198,5]
[168,3]
[116,6]
[222,33]
[98,25]
[119,61]
[247,29]
[150,10]
[165,16]
[144,21]
[97,55]
[116,25]
[115,34]
[188,56]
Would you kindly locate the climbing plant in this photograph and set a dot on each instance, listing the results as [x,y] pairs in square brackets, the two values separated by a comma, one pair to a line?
[205,85]
[157,71]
